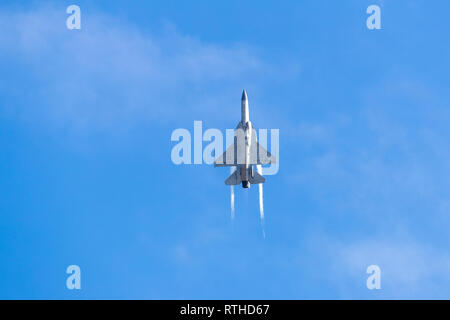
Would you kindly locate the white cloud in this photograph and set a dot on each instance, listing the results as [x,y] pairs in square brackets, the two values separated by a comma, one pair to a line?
[408,269]
[111,74]
[383,170]
[389,158]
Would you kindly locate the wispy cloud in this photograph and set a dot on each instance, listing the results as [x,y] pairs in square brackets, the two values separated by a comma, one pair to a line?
[110,73]
[409,269]
[379,176]
[389,159]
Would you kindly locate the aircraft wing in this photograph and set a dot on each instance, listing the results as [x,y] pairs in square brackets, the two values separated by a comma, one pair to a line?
[264,156]
[232,156]
[255,177]
[234,179]
[228,158]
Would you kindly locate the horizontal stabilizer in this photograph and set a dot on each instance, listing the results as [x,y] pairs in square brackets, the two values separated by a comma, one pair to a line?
[234,179]
[255,177]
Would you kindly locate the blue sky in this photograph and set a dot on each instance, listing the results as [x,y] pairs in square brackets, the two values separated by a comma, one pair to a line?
[86,176]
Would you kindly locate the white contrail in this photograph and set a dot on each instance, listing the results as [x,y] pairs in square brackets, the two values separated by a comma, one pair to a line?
[261,202]
[232,169]
[232,202]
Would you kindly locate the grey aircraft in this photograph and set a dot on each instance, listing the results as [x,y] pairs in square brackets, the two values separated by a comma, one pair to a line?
[245,152]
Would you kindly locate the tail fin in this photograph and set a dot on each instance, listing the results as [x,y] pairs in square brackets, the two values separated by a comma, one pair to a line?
[255,177]
[234,179]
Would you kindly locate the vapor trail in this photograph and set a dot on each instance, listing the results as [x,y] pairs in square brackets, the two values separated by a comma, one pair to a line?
[232,169]
[261,202]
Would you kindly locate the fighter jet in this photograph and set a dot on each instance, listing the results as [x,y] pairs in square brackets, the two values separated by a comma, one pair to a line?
[245,152]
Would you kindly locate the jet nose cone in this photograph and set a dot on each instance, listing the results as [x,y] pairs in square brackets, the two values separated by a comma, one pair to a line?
[244,95]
